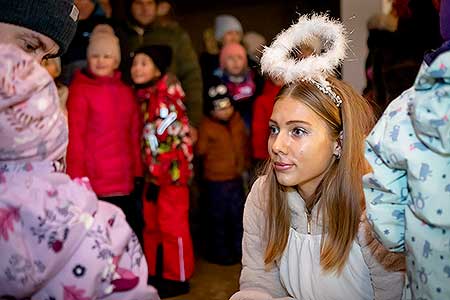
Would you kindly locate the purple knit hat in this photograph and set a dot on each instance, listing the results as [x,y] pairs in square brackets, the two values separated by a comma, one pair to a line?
[445,19]
[32,124]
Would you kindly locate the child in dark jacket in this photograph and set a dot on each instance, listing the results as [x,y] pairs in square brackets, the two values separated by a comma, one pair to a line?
[104,127]
[223,148]
[167,151]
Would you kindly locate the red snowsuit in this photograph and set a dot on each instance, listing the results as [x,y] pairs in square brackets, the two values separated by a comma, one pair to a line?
[168,153]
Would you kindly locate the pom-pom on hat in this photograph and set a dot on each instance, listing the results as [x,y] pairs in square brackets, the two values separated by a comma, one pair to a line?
[232,49]
[103,40]
[161,56]
[216,95]
[56,19]
[225,23]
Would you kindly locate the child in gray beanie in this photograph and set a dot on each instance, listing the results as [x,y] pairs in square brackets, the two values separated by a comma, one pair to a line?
[228,29]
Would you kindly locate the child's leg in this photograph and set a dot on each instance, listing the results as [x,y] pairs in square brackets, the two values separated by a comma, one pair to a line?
[173,221]
[127,204]
[236,200]
[217,196]
[151,233]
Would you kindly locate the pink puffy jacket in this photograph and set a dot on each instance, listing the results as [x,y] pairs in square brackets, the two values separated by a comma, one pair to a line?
[104,133]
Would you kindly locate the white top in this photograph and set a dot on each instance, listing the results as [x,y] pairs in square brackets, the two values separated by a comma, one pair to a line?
[371,272]
[303,278]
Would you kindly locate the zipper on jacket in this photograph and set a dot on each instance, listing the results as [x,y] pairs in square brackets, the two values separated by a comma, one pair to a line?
[308,221]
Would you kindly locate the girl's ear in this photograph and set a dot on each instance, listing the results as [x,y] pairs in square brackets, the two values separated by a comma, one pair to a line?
[338,145]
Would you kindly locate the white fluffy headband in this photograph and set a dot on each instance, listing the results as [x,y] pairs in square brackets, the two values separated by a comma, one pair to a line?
[285,58]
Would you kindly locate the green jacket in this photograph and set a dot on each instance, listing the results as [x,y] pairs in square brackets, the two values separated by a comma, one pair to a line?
[184,61]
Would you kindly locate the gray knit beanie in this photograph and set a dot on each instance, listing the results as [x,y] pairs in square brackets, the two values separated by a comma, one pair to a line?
[225,23]
[56,19]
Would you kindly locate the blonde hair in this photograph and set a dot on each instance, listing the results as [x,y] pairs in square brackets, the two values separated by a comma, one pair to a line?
[340,194]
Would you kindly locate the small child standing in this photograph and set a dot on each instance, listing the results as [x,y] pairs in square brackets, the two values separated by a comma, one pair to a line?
[223,148]
[238,78]
[167,151]
[104,127]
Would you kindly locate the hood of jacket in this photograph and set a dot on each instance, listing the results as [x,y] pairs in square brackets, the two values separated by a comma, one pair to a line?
[430,108]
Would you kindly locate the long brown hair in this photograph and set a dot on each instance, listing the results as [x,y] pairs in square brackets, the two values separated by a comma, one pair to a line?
[340,194]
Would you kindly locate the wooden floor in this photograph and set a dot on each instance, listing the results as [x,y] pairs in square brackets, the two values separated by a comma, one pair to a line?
[212,282]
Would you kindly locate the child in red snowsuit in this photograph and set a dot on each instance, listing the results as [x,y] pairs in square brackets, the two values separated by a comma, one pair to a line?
[167,151]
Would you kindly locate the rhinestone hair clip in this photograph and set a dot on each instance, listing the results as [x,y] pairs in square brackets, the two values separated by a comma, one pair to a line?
[327,90]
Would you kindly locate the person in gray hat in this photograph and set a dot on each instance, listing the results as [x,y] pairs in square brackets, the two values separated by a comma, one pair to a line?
[42,28]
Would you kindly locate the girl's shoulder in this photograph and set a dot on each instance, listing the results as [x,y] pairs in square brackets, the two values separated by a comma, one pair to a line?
[258,193]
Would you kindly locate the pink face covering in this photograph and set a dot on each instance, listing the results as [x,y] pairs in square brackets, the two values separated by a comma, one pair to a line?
[32,125]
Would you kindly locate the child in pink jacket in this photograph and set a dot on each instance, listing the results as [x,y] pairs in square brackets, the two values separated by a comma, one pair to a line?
[105,127]
[57,241]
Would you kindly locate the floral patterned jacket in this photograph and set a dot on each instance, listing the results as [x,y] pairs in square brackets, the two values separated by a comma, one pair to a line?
[57,241]
[167,145]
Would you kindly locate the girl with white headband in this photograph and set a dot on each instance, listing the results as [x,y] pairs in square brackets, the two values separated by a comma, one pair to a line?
[305,235]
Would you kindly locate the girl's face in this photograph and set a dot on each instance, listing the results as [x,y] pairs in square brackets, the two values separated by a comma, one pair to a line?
[235,64]
[300,145]
[102,64]
[34,43]
[143,69]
